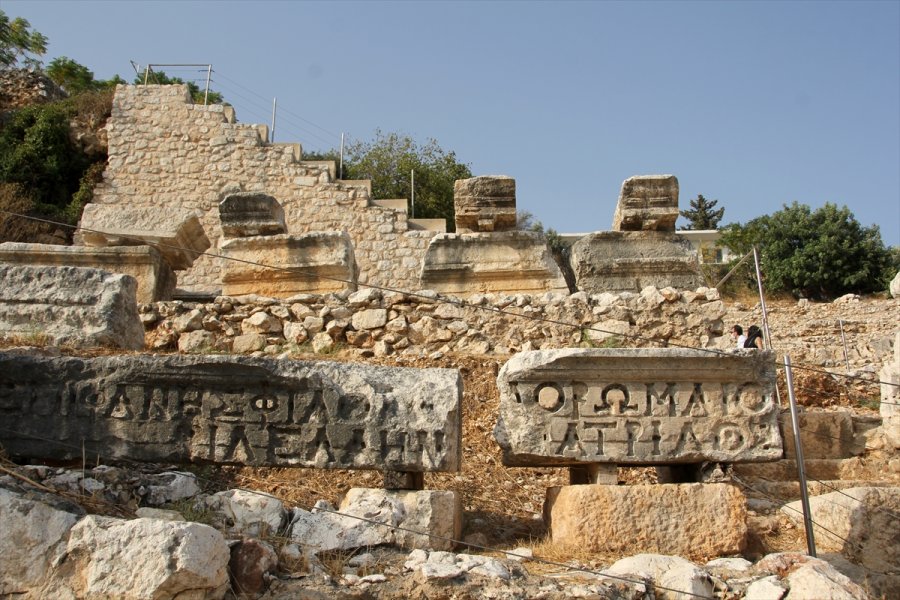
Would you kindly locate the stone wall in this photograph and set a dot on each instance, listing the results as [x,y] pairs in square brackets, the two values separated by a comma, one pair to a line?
[378,323]
[171,155]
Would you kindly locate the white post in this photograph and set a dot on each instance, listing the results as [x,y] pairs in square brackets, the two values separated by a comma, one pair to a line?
[341,163]
[208,76]
[798,451]
[762,300]
[412,191]
[272,135]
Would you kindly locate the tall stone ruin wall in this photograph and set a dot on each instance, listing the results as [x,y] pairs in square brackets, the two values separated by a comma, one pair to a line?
[171,155]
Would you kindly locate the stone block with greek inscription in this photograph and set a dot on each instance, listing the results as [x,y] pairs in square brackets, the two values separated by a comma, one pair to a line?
[231,410]
[638,407]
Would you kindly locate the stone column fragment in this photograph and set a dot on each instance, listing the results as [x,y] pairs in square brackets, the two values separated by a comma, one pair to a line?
[647,203]
[485,204]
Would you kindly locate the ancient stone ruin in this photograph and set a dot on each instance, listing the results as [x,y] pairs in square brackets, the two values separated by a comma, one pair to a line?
[642,249]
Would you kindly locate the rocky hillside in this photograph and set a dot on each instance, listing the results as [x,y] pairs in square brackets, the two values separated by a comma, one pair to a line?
[503,506]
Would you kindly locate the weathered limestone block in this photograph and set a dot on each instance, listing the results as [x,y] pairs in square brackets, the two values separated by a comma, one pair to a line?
[155,278]
[246,214]
[860,522]
[232,410]
[823,434]
[70,306]
[34,537]
[509,262]
[177,234]
[147,558]
[690,519]
[617,261]
[637,406]
[438,513]
[647,203]
[486,203]
[281,266]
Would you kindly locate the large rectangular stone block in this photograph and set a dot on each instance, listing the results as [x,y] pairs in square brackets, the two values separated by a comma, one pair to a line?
[231,410]
[647,203]
[637,406]
[155,278]
[692,519]
[69,306]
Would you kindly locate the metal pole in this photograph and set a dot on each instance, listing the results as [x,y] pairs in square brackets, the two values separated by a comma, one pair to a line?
[844,340]
[146,74]
[412,192]
[733,269]
[274,104]
[762,300]
[798,451]
[341,167]
[208,76]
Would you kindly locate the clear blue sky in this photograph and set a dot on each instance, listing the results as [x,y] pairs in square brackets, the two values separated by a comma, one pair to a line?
[756,104]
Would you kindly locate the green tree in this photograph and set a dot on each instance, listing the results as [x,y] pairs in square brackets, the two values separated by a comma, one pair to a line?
[389,160]
[36,152]
[71,75]
[703,214]
[816,254]
[197,95]
[19,42]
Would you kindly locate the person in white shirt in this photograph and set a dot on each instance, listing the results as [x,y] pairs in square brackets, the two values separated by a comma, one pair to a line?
[737,334]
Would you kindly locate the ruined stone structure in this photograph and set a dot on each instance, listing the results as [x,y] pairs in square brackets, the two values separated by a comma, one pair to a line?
[168,155]
[643,248]
[233,410]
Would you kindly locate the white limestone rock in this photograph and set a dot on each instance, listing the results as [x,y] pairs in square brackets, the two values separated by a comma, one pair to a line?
[767,588]
[251,513]
[33,540]
[669,573]
[171,487]
[147,559]
[817,580]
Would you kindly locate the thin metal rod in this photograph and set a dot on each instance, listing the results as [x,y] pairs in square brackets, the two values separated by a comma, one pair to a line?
[341,163]
[412,193]
[798,451]
[844,340]
[208,77]
[274,105]
[733,269]
[146,74]
[762,300]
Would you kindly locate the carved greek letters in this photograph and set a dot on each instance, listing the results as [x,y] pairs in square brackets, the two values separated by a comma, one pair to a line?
[637,406]
[237,410]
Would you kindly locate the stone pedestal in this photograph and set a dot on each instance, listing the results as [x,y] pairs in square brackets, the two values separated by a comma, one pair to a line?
[177,235]
[281,266]
[691,520]
[247,214]
[485,204]
[647,203]
[155,278]
[508,262]
[629,261]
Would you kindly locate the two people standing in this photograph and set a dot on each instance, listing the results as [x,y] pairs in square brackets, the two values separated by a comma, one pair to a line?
[753,339]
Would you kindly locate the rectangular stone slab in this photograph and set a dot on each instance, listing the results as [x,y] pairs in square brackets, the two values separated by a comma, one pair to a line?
[637,406]
[231,410]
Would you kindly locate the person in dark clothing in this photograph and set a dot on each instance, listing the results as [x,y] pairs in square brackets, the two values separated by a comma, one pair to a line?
[754,338]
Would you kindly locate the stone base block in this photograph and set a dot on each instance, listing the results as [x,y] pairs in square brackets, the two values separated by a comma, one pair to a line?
[281,266]
[823,434]
[155,278]
[178,235]
[69,306]
[692,520]
[508,262]
[629,261]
